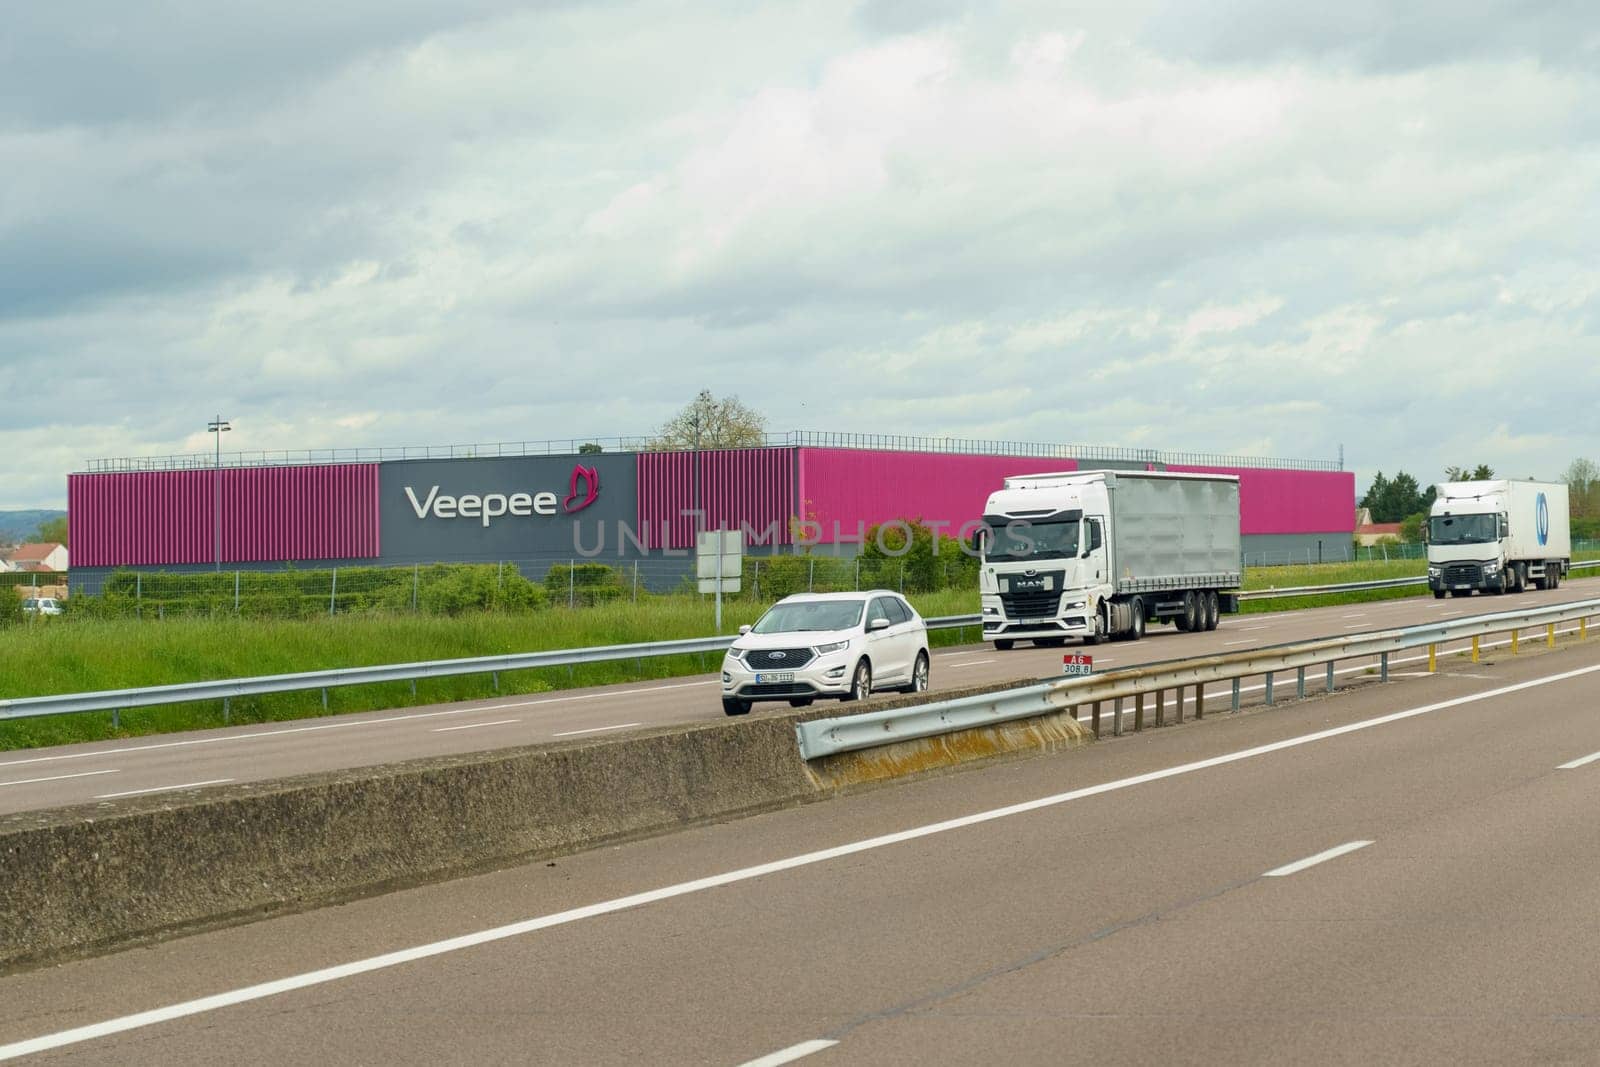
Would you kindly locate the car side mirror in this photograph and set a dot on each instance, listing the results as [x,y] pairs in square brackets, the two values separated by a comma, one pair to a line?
[877,624]
[743,630]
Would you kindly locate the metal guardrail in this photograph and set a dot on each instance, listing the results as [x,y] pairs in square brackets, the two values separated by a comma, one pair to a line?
[1352,587]
[228,688]
[824,737]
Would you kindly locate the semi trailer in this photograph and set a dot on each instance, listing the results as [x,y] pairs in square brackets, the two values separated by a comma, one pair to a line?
[1496,536]
[1102,554]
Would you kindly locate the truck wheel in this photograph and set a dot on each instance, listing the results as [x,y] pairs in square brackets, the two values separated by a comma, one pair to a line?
[1438,594]
[1136,622]
[1003,645]
[1555,576]
[1194,612]
[1213,609]
[1520,570]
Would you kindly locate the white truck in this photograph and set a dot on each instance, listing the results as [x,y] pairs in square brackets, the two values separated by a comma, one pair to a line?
[1097,554]
[1497,536]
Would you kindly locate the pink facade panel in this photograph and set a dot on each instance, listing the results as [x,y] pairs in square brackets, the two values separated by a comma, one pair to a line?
[848,491]
[268,514]
[750,488]
[1291,502]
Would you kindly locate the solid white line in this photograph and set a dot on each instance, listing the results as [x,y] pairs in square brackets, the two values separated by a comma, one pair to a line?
[474,725]
[163,788]
[188,742]
[1575,764]
[973,663]
[185,1009]
[790,1054]
[597,729]
[58,778]
[1312,861]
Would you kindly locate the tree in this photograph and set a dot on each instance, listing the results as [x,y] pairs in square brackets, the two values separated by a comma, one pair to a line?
[1481,473]
[711,423]
[1411,527]
[589,448]
[1391,500]
[1583,488]
[52,531]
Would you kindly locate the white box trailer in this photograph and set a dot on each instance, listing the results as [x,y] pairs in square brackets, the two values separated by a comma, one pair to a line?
[1497,535]
[1094,554]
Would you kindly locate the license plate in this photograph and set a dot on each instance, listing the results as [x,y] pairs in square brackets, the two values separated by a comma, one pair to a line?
[1463,587]
[773,679]
[1077,665]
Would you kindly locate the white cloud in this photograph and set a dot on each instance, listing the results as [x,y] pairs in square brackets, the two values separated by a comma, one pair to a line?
[1118,226]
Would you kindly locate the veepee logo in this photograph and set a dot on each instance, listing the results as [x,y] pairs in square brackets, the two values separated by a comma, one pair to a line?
[1542,519]
[583,489]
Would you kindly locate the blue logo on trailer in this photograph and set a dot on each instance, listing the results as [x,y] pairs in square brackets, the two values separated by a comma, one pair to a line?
[1544,520]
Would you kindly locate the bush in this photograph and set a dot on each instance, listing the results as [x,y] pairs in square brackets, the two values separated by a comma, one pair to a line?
[584,583]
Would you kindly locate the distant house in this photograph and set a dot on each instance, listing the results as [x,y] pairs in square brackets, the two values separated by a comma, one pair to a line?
[38,557]
[1370,533]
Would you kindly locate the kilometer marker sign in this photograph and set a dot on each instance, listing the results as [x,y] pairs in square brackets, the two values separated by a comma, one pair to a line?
[1077,665]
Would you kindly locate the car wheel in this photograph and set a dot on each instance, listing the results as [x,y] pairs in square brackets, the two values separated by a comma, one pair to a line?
[801,702]
[860,682]
[735,706]
[919,675]
[1004,646]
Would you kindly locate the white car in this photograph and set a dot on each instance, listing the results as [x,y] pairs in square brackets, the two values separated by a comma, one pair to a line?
[41,605]
[835,645]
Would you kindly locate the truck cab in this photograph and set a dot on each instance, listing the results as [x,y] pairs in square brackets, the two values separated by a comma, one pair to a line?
[1044,570]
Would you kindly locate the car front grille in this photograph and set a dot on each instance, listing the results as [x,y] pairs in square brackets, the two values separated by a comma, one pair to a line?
[788,689]
[779,659]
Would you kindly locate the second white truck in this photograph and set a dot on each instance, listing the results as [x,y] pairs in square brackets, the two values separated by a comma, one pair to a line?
[1096,554]
[1496,536]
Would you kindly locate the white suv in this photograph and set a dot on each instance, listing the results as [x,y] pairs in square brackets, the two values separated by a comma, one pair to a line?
[41,605]
[838,645]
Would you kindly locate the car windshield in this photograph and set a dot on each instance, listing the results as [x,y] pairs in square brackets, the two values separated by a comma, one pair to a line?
[1461,529]
[810,615]
[1023,540]
[30,603]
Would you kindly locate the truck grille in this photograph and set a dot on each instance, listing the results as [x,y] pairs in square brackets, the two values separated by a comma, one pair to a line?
[1462,574]
[1040,605]
[779,659]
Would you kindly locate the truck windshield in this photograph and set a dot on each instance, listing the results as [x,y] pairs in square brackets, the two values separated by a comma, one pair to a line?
[1461,529]
[1023,540]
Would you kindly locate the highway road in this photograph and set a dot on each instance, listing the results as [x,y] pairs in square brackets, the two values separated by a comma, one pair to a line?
[106,771]
[1397,874]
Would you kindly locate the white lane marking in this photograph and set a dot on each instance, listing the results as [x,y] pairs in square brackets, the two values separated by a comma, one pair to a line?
[1246,641]
[1312,861]
[1575,764]
[1357,615]
[1353,625]
[57,778]
[1247,629]
[163,788]
[185,1009]
[474,725]
[597,729]
[973,663]
[259,735]
[790,1054]
[1447,614]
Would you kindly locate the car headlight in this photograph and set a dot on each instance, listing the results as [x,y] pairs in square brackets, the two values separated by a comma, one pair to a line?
[736,654]
[837,646]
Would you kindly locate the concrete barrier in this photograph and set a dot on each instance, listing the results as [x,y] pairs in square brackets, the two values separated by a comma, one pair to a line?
[87,879]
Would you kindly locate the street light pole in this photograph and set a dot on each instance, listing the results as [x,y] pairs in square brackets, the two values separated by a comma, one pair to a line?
[218,426]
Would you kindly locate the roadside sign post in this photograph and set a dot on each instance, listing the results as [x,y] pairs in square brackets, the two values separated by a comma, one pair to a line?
[719,564]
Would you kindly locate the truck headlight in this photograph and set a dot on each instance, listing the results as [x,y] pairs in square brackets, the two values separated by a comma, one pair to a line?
[1433,572]
[1075,605]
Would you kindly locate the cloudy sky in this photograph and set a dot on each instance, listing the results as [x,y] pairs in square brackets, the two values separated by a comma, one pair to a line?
[1221,226]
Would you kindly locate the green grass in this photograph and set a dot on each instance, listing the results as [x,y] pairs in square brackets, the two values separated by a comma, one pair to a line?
[87,654]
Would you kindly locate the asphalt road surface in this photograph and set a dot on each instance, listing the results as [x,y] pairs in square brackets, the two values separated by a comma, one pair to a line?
[1397,874]
[55,777]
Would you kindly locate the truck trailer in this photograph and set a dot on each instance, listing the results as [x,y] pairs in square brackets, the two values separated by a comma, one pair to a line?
[1100,554]
[1496,536]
